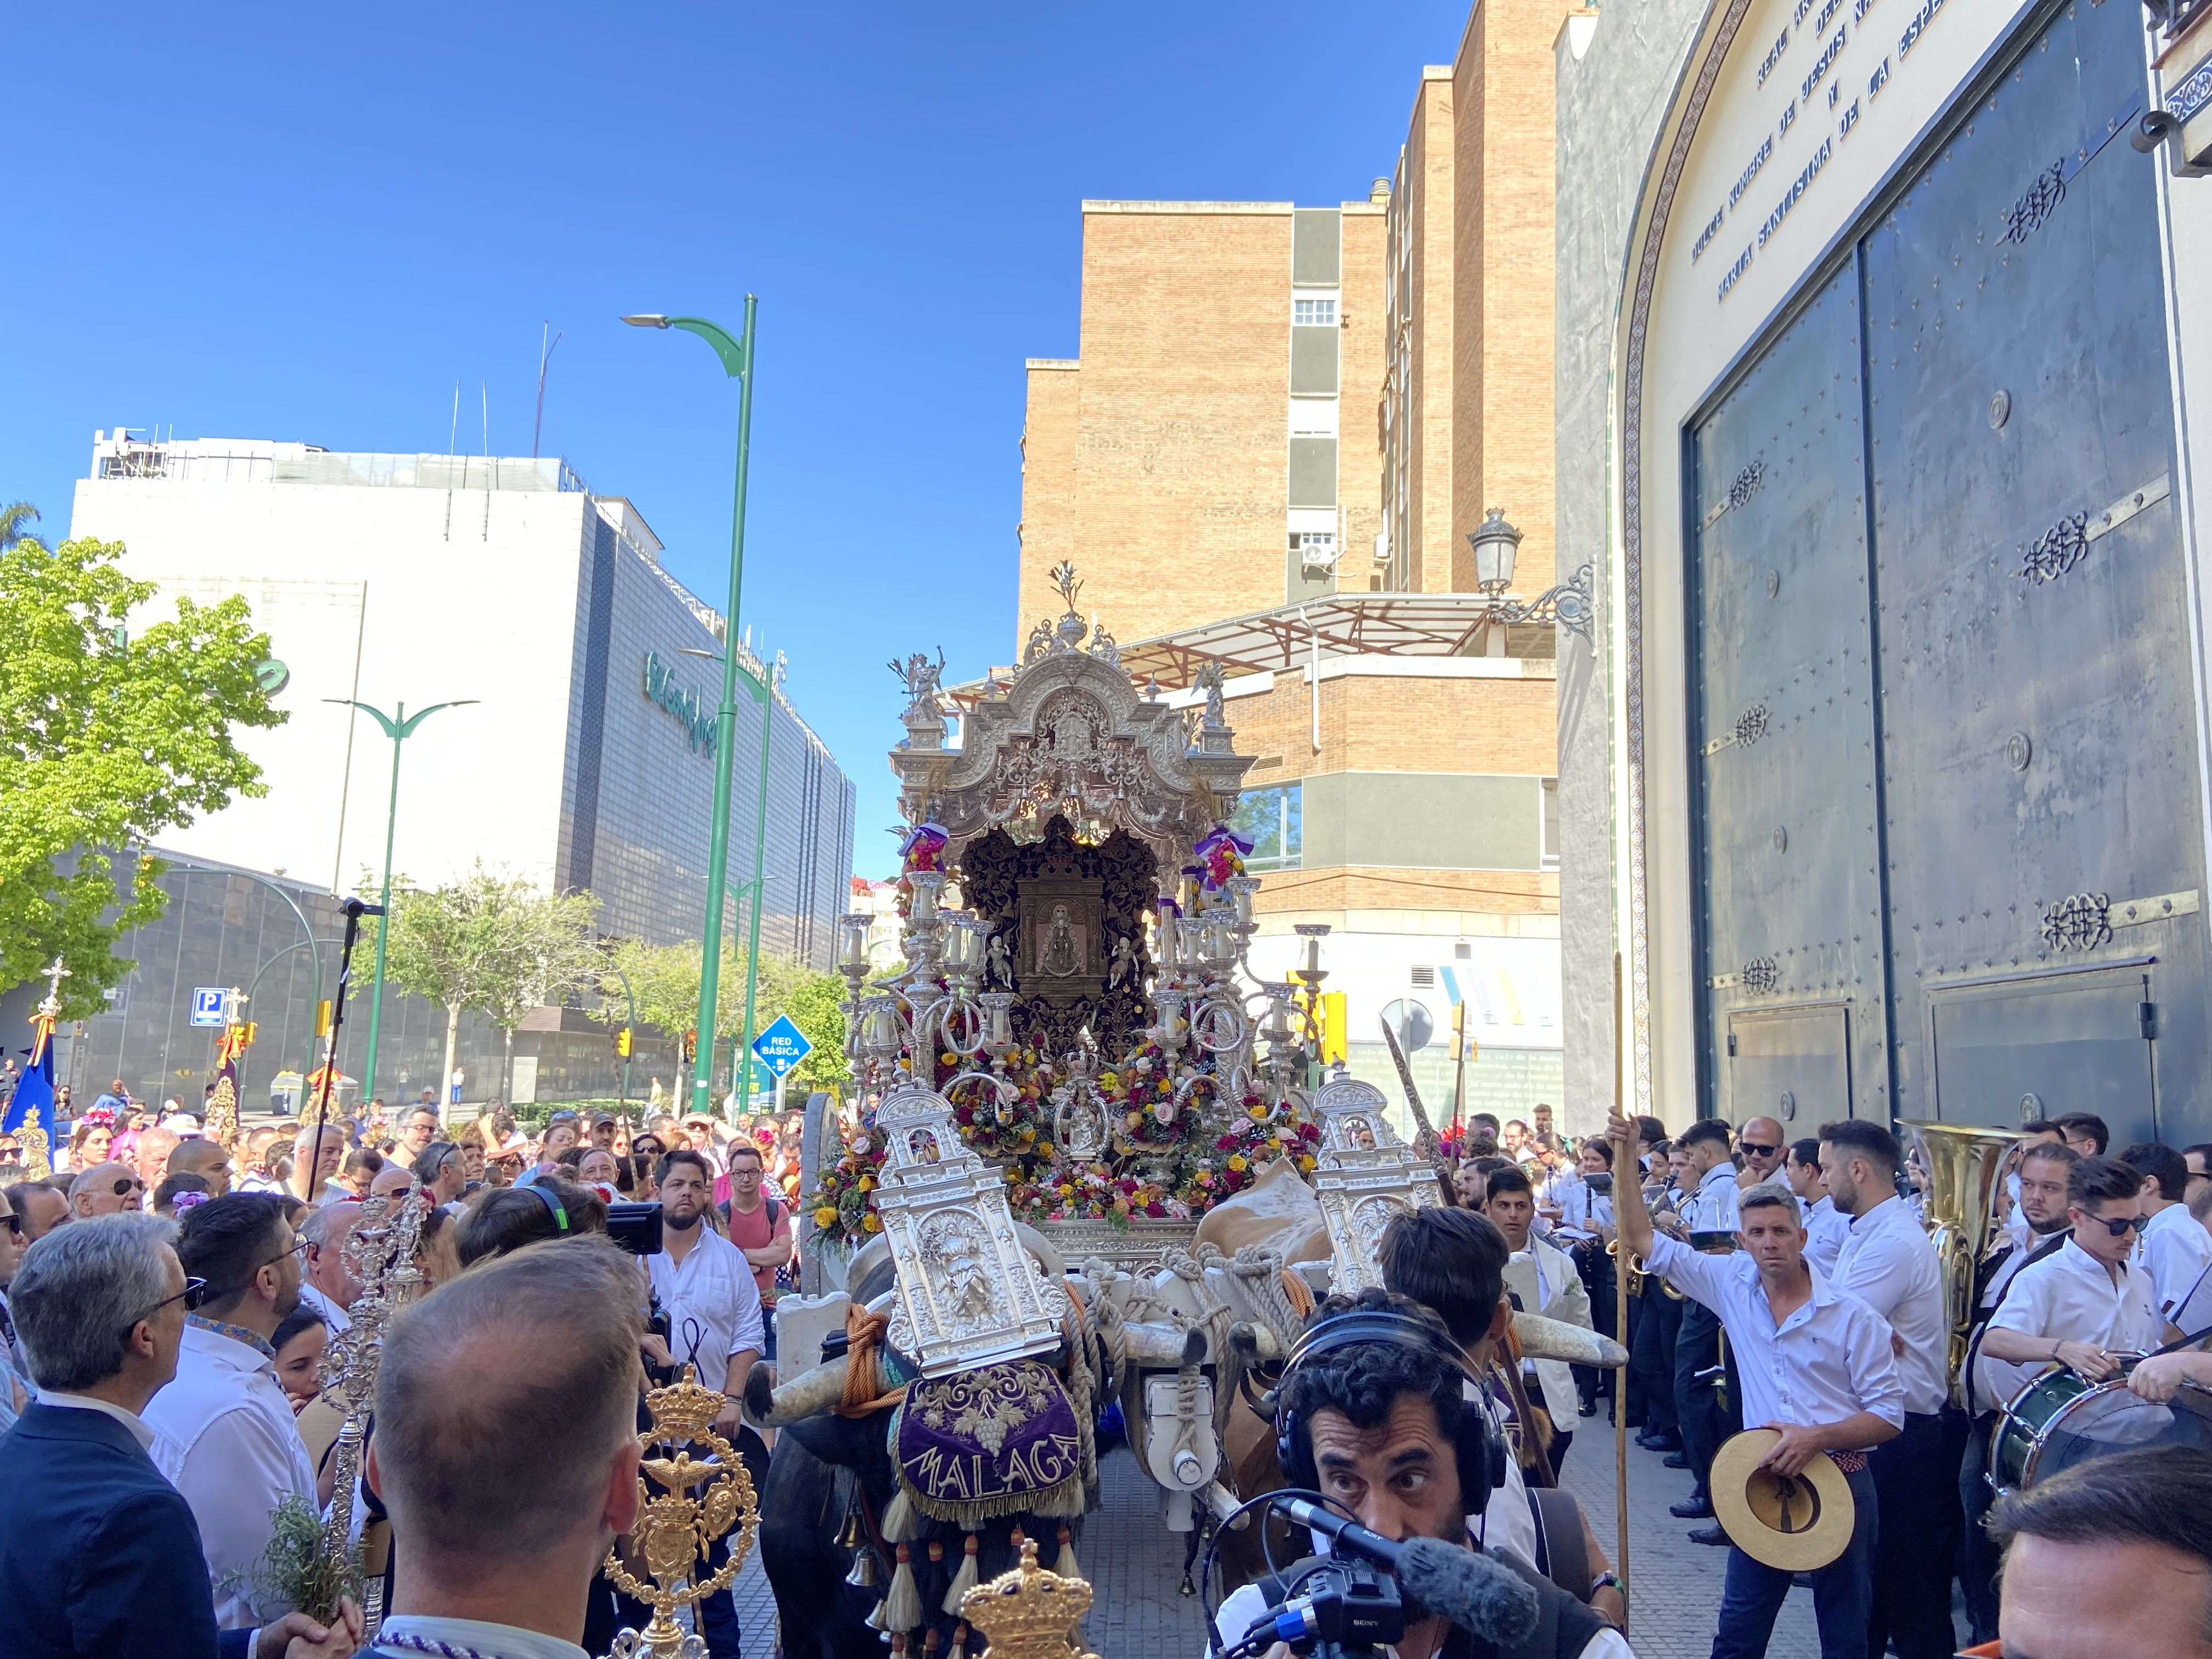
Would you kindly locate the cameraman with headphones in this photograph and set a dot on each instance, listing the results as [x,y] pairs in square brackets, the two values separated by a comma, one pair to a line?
[1370,1415]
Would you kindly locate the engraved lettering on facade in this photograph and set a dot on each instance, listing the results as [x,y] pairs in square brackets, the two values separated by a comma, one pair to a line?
[1759,159]
[1788,116]
[1825,62]
[1917,27]
[1797,188]
[1851,119]
[1742,264]
[1706,235]
[1878,80]
[1774,54]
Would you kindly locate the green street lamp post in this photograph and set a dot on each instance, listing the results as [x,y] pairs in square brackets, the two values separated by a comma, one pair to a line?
[399,726]
[736,358]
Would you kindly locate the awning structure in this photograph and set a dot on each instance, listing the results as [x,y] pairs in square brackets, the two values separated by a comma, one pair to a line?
[1343,625]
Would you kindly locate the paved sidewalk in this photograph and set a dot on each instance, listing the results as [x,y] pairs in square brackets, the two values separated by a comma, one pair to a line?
[1673,1585]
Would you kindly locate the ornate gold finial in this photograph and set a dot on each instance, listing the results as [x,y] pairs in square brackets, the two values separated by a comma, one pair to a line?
[1030,1613]
[673,1530]
[38,1160]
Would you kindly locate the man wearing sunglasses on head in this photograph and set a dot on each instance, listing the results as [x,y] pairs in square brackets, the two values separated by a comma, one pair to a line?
[225,1434]
[2085,1306]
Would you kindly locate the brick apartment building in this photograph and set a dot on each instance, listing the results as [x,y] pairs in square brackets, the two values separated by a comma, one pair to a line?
[1282,425]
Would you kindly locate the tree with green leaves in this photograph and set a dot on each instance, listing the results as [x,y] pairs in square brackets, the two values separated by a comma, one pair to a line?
[13,518]
[488,942]
[665,979]
[107,739]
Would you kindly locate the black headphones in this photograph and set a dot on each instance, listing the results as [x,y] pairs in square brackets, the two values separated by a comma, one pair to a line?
[553,1203]
[1480,1450]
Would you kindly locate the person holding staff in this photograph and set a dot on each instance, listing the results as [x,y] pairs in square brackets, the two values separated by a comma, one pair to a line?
[1816,1367]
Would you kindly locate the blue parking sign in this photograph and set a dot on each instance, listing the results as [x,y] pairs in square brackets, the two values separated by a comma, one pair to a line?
[782,1046]
[209,1004]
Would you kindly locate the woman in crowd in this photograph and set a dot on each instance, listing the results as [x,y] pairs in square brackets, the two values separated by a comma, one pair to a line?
[437,1257]
[178,1193]
[562,1132]
[300,1343]
[471,1140]
[91,1137]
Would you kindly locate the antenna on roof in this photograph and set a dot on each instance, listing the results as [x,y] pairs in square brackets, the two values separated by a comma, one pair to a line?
[453,439]
[544,355]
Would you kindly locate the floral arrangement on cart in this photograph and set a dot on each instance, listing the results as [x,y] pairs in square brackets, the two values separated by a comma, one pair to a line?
[1075,924]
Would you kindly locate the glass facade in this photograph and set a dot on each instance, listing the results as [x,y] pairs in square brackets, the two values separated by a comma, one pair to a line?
[1274,820]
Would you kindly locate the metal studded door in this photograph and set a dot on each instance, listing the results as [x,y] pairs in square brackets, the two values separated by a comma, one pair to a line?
[2038,731]
[1782,731]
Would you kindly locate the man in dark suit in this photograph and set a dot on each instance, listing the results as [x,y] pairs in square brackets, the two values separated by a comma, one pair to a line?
[107,1563]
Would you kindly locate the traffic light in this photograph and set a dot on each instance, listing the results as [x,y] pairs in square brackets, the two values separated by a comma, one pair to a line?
[1334,1021]
[323,1017]
[622,1042]
[690,1047]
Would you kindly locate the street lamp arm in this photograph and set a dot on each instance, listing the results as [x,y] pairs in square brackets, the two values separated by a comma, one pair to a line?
[407,729]
[731,351]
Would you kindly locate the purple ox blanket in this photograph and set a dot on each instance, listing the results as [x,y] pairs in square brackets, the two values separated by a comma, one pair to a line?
[997,1440]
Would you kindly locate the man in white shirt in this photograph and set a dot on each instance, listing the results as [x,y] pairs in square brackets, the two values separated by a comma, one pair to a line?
[1816,1365]
[2084,1307]
[706,1285]
[1825,1226]
[224,1434]
[1544,1277]
[324,1284]
[2040,1183]
[495,1542]
[1761,1146]
[2175,1250]
[1709,1216]
[1378,1424]
[1888,1263]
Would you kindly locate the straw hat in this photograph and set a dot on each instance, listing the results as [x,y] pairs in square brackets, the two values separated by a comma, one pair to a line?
[1797,1525]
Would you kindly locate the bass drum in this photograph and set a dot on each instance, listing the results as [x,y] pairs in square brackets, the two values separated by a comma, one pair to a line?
[2060,1420]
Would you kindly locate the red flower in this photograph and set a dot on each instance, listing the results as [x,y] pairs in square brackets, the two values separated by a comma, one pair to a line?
[1155,1209]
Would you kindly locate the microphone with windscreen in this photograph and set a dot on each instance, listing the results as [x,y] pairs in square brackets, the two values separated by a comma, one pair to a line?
[1470,1590]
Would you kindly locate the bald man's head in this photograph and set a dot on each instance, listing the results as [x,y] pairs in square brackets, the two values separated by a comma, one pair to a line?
[206,1159]
[1764,1148]
[106,1190]
[469,1380]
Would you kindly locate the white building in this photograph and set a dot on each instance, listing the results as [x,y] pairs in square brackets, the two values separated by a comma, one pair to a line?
[584,755]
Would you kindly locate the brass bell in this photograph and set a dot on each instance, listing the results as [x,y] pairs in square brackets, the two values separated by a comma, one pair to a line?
[856,1539]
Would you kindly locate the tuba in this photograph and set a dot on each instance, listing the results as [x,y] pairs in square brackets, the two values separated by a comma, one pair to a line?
[1964,1165]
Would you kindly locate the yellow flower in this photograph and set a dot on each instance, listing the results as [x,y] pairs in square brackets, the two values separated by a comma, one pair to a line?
[871,1222]
[1065,1190]
[867,1183]
[949,1058]
[1237,1160]
[1305,1161]
[1136,1120]
[1044,1149]
[826,1216]
[1258,1114]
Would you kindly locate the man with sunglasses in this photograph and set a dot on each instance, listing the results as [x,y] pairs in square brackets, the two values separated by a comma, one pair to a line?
[225,1435]
[1762,1146]
[108,1564]
[105,1189]
[2085,1306]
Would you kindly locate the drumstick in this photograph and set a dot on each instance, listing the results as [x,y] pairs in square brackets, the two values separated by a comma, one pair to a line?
[1624,1170]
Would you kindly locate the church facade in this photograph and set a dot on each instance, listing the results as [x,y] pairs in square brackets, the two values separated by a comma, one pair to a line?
[1886,782]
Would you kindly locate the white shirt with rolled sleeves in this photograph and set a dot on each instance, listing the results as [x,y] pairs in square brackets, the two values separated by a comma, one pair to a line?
[1827,1227]
[1887,1262]
[2070,1298]
[1586,1211]
[225,1436]
[1712,1208]
[2174,1249]
[712,1288]
[1830,1359]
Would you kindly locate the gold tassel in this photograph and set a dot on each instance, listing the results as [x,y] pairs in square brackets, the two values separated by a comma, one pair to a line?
[963,1580]
[900,1523]
[903,1602]
[1064,1566]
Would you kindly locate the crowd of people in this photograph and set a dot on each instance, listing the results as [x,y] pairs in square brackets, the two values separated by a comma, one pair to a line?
[1792,1283]
[168,1307]
[185,1295]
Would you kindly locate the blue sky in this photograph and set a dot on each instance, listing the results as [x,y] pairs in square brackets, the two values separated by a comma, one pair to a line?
[306,223]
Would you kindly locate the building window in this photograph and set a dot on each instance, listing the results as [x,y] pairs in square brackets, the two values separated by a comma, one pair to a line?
[1314,314]
[1549,845]
[1425,978]
[1270,819]
[1462,952]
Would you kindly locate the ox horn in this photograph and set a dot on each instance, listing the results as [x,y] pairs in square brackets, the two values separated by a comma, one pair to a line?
[1152,1345]
[808,1394]
[1553,1339]
[1254,1344]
